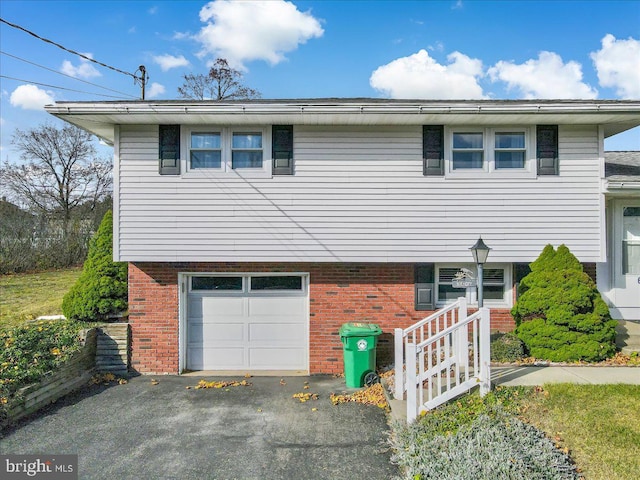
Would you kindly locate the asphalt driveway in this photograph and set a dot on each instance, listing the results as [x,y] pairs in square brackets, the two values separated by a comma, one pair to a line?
[144,431]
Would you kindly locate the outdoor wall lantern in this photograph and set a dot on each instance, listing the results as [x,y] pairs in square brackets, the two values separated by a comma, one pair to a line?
[480,253]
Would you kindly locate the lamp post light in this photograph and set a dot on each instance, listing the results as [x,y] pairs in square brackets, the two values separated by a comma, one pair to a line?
[480,253]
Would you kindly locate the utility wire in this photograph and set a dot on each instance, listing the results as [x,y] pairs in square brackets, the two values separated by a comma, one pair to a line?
[135,77]
[65,75]
[59,88]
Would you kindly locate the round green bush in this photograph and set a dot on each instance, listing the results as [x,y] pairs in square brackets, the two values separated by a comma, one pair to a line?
[507,348]
[560,315]
[101,289]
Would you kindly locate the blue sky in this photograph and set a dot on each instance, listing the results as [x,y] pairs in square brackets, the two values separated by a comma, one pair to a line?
[305,49]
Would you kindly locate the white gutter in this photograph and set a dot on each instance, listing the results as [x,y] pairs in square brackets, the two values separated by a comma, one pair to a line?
[75,108]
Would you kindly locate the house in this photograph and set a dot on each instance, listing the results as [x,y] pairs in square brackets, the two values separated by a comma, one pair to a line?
[255,229]
[619,277]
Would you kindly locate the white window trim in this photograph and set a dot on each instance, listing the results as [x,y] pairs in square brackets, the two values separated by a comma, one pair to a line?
[471,293]
[488,168]
[226,136]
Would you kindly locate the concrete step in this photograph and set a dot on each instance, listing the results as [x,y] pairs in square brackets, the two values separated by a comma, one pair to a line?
[628,336]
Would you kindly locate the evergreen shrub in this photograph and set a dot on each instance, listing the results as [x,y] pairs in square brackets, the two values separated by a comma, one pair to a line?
[507,348]
[101,289]
[560,315]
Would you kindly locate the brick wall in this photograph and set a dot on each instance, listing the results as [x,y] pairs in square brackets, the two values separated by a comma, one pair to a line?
[338,293]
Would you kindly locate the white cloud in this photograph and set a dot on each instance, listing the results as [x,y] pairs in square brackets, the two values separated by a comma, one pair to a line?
[153,10]
[181,35]
[30,97]
[545,77]
[420,76]
[618,65]
[458,5]
[155,90]
[2,121]
[254,30]
[83,70]
[167,62]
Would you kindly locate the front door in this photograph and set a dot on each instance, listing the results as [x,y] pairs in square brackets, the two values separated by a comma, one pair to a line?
[627,259]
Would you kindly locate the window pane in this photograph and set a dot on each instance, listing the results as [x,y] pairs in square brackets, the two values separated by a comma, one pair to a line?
[247,140]
[467,140]
[631,240]
[509,159]
[467,160]
[276,283]
[245,159]
[205,159]
[493,292]
[509,140]
[447,292]
[205,140]
[216,283]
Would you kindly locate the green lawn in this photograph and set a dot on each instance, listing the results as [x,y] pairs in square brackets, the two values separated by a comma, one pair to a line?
[28,296]
[599,424]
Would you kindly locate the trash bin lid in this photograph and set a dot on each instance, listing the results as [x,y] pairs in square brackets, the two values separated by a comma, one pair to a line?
[354,329]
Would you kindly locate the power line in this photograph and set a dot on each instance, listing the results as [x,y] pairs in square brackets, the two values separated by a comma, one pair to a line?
[66,49]
[65,75]
[59,88]
[143,78]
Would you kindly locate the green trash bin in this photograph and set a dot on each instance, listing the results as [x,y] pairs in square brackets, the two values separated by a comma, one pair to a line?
[359,348]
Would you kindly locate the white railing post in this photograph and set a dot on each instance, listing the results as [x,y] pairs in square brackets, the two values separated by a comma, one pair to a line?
[462,340]
[485,351]
[412,404]
[398,349]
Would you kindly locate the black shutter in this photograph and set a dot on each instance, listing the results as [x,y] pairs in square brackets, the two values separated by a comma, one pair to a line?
[424,286]
[547,149]
[433,150]
[169,149]
[520,270]
[282,149]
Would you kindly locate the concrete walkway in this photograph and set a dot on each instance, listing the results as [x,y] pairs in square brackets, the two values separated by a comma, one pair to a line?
[512,376]
[529,376]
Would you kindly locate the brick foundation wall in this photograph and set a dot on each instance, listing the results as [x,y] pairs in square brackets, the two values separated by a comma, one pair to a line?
[338,293]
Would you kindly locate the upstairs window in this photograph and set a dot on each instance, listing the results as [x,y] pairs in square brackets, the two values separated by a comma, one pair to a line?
[510,151]
[468,150]
[477,151]
[206,150]
[226,149]
[246,150]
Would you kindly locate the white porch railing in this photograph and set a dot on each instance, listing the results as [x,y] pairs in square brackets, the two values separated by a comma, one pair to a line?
[441,357]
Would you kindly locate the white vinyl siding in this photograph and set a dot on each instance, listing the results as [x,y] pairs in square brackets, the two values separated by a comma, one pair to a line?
[358,194]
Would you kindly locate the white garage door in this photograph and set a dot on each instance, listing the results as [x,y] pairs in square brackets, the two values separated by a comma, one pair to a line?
[247,322]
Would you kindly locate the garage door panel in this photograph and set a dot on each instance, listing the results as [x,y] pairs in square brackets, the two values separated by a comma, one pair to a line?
[276,306]
[218,306]
[276,358]
[223,357]
[282,333]
[205,333]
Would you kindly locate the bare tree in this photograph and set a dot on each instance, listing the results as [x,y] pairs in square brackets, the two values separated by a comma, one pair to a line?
[60,172]
[222,83]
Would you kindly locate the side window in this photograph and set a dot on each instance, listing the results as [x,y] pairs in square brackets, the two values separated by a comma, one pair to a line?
[282,149]
[169,149]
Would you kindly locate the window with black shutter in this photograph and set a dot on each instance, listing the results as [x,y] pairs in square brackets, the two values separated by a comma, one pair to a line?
[424,286]
[282,149]
[433,150]
[169,150]
[547,149]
